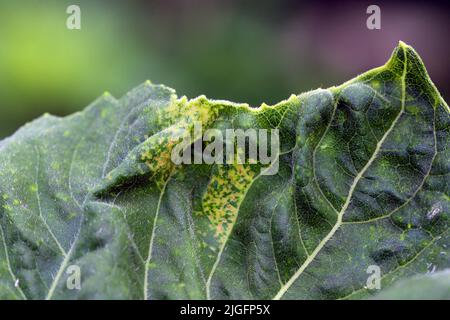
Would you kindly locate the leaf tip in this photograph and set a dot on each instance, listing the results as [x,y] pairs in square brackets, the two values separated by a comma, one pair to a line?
[406,58]
[402,44]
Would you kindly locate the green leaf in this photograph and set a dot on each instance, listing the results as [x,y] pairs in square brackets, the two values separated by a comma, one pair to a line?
[435,286]
[362,180]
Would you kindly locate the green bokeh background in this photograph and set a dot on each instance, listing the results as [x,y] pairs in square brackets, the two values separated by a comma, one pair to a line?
[242,51]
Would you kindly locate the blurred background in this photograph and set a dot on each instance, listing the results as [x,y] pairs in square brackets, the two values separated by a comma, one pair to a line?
[252,51]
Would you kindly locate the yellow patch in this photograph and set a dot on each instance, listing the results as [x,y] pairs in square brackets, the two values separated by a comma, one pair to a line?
[184,112]
[181,114]
[223,197]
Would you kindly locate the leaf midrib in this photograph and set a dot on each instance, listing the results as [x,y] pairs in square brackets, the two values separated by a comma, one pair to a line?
[152,238]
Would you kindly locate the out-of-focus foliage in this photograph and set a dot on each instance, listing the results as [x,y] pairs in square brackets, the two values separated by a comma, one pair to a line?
[224,49]
[42,63]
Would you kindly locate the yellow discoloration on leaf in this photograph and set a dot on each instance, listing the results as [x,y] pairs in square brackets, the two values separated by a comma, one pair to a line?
[223,196]
[375,84]
[180,115]
[185,112]
[157,155]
